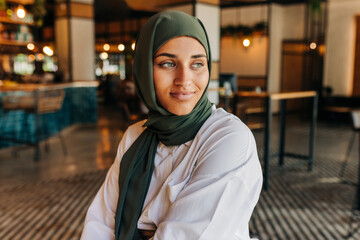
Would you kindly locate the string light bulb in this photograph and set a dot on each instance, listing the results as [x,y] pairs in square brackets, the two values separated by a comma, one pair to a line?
[48,51]
[121,47]
[313,45]
[103,55]
[32,57]
[20,12]
[133,46]
[39,57]
[106,47]
[30,46]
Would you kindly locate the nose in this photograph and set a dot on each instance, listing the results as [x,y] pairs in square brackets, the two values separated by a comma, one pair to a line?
[182,76]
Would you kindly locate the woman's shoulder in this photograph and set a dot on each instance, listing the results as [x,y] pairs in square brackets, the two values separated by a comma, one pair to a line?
[136,129]
[224,143]
[224,130]
[225,122]
[130,135]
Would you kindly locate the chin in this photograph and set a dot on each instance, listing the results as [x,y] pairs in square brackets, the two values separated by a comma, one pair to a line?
[180,111]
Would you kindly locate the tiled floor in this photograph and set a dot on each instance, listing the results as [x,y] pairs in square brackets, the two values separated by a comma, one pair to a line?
[89,147]
[55,192]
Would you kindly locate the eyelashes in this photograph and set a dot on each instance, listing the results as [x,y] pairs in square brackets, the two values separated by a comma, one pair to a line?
[196,65]
[167,64]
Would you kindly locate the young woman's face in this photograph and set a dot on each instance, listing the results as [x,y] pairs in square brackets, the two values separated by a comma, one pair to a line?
[181,74]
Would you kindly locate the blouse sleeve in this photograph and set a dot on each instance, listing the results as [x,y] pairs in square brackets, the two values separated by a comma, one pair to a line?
[221,194]
[100,217]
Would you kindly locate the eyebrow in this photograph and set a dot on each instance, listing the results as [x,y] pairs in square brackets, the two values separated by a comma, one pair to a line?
[174,56]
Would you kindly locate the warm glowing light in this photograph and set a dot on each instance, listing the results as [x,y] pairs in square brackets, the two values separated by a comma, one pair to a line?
[39,56]
[312,45]
[20,12]
[106,47]
[246,42]
[98,72]
[121,47]
[31,57]
[133,46]
[30,46]
[103,55]
[48,51]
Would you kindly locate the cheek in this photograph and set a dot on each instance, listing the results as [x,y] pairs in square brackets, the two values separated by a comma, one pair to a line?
[161,86]
[157,79]
[203,80]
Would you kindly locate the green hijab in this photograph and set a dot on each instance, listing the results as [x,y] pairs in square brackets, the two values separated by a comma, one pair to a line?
[136,166]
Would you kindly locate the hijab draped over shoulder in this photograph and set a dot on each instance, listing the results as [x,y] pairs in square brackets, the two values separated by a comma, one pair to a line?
[136,166]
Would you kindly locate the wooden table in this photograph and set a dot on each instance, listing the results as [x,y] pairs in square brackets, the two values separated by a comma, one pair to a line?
[283,97]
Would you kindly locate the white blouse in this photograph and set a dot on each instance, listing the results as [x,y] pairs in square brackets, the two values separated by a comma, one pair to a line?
[204,189]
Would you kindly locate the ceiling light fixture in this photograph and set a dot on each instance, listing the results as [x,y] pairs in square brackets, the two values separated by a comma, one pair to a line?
[246,42]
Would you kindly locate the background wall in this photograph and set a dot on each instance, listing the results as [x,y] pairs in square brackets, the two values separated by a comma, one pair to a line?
[340,45]
[294,23]
[203,11]
[62,45]
[83,55]
[244,15]
[235,58]
[286,23]
[187,8]
[251,61]
[276,37]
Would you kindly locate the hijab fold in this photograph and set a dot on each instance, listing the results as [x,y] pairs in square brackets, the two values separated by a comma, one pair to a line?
[136,166]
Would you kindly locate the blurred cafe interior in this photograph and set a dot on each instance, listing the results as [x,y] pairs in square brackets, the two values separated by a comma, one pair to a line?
[289,69]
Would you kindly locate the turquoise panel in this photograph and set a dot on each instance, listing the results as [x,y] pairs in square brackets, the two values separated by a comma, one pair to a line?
[79,106]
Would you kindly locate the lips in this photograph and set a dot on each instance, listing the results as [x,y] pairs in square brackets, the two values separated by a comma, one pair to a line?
[182,95]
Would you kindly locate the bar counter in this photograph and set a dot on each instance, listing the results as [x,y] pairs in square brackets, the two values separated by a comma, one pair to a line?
[18,126]
[31,87]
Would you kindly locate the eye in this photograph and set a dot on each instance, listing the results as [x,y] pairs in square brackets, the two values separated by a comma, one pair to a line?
[167,64]
[197,65]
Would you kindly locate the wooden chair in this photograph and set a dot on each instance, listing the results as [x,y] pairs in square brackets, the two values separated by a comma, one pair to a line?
[355,116]
[355,212]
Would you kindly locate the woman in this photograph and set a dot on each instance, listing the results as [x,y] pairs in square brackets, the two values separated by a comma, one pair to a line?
[190,171]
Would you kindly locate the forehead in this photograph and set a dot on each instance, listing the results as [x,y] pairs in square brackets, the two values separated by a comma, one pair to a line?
[181,44]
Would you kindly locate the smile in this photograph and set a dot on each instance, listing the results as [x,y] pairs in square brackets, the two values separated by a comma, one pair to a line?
[182,96]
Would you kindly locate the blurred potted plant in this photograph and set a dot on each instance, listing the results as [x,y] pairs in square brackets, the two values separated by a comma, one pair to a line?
[2,5]
[39,12]
[243,30]
[315,6]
